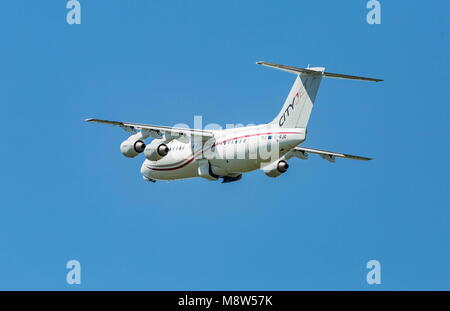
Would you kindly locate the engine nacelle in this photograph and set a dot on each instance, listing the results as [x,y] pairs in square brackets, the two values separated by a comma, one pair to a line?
[132,147]
[156,150]
[276,169]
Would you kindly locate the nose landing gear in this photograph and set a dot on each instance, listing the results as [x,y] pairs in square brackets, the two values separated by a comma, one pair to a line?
[148,179]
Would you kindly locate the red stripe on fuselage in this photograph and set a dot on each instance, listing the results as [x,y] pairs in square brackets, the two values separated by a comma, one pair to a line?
[155,168]
[173,168]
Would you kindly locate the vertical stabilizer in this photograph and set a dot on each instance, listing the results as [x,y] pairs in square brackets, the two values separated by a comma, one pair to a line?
[299,103]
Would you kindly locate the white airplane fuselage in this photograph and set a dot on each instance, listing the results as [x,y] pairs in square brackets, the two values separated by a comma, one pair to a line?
[232,152]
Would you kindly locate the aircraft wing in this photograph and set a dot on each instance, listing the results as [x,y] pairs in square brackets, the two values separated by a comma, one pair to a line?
[155,130]
[302,153]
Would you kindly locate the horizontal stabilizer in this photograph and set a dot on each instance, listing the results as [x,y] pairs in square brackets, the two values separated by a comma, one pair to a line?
[316,71]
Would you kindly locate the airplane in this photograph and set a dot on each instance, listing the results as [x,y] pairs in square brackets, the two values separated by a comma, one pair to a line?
[180,153]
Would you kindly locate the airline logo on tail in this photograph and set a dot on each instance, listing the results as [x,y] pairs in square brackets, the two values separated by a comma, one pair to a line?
[289,107]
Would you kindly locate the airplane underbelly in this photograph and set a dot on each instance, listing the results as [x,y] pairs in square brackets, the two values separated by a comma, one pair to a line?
[188,169]
[235,165]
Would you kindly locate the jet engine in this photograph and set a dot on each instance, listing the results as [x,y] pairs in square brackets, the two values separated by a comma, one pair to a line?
[276,169]
[132,147]
[156,150]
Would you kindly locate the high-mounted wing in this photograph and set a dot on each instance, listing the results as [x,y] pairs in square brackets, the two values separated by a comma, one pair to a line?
[155,130]
[302,153]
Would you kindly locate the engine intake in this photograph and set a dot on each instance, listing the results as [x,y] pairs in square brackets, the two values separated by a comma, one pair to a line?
[276,169]
[156,151]
[132,147]
[282,166]
[139,146]
[162,150]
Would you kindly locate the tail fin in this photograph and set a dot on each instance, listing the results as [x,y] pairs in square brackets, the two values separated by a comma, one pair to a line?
[299,103]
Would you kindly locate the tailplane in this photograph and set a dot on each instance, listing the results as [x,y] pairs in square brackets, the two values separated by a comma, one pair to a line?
[299,103]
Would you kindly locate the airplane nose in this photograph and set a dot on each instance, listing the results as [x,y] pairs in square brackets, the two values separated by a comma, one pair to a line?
[144,170]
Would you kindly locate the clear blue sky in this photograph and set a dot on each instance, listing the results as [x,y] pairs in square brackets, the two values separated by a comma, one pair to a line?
[67,193]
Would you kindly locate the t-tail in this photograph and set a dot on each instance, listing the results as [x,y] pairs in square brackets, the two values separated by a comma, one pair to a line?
[299,103]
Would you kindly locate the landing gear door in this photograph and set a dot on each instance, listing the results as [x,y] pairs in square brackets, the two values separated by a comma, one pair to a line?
[204,169]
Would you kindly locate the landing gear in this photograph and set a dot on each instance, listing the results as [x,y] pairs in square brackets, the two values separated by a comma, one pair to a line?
[227,179]
[149,179]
